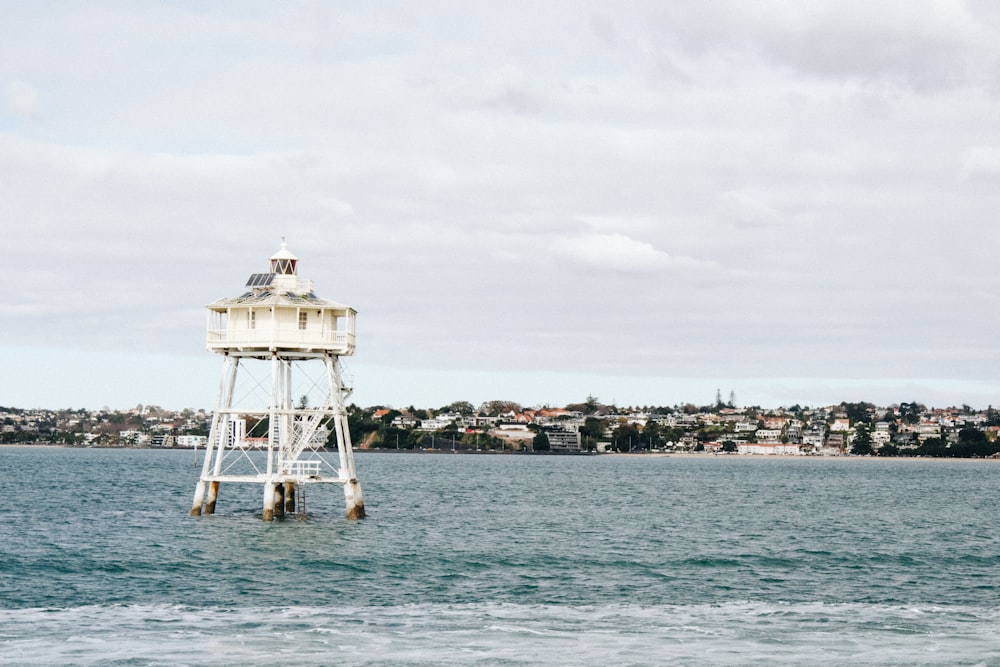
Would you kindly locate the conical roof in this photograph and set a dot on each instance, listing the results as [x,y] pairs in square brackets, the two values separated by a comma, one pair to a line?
[283,253]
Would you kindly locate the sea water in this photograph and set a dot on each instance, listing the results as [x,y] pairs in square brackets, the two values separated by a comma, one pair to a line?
[504,560]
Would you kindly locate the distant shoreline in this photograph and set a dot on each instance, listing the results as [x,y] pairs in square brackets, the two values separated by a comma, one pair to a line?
[653,455]
[793,457]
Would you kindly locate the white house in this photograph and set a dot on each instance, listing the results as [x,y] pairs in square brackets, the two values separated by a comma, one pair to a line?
[768,435]
[192,441]
[766,448]
[561,440]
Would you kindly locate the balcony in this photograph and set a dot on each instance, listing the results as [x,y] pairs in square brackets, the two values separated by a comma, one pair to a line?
[265,338]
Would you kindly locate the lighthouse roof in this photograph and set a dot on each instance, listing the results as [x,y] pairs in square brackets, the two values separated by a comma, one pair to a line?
[283,253]
[277,299]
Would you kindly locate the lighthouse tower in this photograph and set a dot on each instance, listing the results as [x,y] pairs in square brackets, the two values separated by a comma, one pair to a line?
[281,393]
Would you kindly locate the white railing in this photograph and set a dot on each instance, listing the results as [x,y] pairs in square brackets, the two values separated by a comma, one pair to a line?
[304,469]
[280,337]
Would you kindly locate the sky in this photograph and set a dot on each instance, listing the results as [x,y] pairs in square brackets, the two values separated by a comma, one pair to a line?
[645,202]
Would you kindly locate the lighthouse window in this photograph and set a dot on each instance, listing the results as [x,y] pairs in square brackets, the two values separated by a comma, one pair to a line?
[251,319]
[303,318]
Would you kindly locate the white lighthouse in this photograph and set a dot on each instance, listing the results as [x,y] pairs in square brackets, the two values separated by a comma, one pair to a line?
[281,393]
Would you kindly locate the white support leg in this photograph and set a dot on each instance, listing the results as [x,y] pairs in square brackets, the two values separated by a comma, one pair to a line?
[213,495]
[353,500]
[352,490]
[268,501]
[273,433]
[214,450]
[199,497]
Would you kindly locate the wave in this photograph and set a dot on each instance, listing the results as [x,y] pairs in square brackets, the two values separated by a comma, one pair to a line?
[510,634]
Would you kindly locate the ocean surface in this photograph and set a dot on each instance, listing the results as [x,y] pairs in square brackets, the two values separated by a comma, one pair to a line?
[504,560]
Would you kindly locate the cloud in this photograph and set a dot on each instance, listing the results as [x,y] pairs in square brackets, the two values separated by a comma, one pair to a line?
[981,162]
[336,207]
[510,89]
[747,209]
[630,223]
[482,183]
[21,99]
[923,44]
[618,252]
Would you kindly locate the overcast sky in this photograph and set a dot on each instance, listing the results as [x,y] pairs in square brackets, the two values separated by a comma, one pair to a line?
[533,201]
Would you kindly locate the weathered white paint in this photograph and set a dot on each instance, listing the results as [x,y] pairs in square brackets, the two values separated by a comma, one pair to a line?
[280,322]
[269,497]
[284,315]
[199,497]
[213,496]
[353,500]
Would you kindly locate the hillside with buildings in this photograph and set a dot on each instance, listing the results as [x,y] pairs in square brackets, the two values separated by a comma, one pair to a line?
[905,429]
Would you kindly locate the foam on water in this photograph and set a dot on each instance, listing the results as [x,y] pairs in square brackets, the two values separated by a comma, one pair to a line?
[732,633]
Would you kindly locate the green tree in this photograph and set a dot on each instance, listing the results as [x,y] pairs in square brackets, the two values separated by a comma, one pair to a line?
[540,443]
[460,407]
[972,443]
[858,412]
[992,416]
[935,447]
[625,437]
[862,444]
[449,428]
[495,408]
[651,435]
[910,412]
[671,434]
[390,437]
[589,407]
[257,429]
[710,433]
[888,449]
[591,431]
[359,424]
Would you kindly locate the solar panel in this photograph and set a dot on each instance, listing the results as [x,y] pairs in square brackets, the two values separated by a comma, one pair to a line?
[260,280]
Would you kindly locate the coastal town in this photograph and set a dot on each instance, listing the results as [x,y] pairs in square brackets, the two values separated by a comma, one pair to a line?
[846,429]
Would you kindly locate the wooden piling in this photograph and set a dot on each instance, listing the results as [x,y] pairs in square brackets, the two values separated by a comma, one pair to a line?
[289,497]
[279,500]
